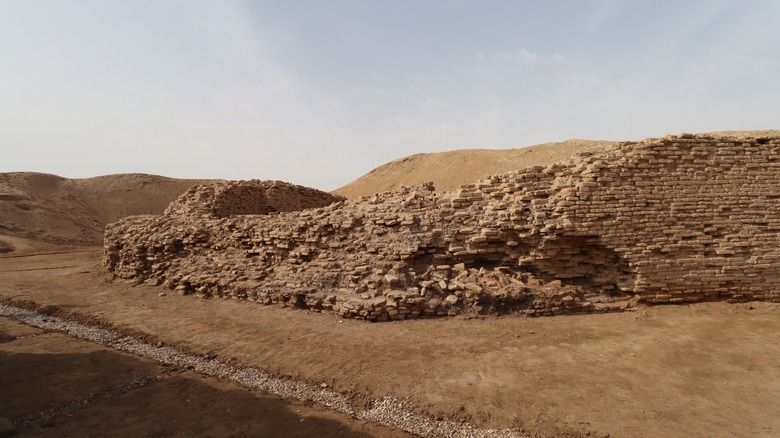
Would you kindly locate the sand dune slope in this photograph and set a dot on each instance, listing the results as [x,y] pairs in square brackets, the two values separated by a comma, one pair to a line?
[448,170]
[51,208]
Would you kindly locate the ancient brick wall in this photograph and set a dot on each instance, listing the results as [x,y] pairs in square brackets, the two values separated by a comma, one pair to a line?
[693,218]
[678,219]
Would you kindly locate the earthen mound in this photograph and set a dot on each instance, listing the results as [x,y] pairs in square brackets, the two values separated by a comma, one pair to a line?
[679,219]
[449,170]
[50,208]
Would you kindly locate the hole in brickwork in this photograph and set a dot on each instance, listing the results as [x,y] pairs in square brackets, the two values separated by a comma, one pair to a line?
[502,304]
[485,262]
[583,262]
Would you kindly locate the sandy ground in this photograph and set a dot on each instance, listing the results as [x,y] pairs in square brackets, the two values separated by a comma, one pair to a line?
[705,370]
[55,385]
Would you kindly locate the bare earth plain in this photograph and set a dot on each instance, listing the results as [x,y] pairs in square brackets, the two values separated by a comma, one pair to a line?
[704,370]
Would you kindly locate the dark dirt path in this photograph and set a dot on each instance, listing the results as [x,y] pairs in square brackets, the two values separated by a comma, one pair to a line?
[55,385]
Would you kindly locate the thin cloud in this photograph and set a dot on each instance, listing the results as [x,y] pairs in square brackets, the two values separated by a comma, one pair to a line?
[521,55]
[320,95]
[601,16]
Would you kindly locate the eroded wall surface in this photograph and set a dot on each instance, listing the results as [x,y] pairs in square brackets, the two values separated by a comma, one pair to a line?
[232,198]
[679,219]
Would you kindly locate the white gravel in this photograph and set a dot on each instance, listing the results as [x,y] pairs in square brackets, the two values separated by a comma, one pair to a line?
[387,411]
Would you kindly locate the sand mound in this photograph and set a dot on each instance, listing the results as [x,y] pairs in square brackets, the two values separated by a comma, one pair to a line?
[53,209]
[449,170]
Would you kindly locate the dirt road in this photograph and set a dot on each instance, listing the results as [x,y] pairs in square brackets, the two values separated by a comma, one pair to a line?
[54,385]
[706,370]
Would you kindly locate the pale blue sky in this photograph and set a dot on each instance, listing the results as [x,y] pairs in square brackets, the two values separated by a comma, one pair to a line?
[320,92]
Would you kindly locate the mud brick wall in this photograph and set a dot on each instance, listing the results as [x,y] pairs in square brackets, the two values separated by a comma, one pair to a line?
[693,218]
[679,219]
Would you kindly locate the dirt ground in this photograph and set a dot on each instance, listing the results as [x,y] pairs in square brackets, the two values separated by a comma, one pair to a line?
[54,385]
[706,370]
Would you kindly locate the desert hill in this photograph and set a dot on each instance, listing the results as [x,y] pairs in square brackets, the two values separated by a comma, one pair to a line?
[448,170]
[48,208]
[51,208]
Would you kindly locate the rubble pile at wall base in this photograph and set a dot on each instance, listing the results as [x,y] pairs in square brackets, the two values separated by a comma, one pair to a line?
[679,219]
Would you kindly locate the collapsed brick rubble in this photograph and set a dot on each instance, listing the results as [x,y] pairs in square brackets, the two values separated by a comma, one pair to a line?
[679,219]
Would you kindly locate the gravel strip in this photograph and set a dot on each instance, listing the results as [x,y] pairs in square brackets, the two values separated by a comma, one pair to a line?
[387,411]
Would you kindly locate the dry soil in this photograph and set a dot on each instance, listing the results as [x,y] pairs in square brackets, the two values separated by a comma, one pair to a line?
[704,370]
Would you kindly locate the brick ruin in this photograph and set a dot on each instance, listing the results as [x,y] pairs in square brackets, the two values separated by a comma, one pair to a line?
[684,218]
[231,198]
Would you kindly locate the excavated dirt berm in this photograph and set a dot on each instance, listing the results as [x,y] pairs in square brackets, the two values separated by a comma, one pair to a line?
[678,219]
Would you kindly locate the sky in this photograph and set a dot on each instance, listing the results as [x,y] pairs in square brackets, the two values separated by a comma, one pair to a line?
[320,92]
